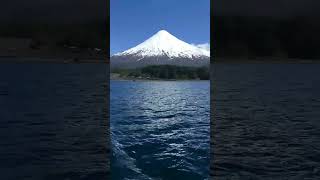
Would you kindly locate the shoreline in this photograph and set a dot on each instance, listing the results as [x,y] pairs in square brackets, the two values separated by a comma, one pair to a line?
[53,59]
[112,77]
[263,60]
[77,59]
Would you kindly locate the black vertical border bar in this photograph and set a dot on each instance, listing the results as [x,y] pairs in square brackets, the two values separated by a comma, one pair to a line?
[108,31]
[212,48]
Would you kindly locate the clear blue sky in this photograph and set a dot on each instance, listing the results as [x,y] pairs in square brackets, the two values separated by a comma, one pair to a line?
[133,21]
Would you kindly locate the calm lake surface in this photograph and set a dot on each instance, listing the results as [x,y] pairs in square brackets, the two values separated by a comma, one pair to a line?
[160,130]
[53,121]
[265,121]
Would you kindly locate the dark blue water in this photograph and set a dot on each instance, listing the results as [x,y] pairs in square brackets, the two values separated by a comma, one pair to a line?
[160,130]
[265,121]
[53,121]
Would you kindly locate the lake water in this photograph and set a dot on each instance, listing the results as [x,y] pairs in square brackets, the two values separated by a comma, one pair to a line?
[160,130]
[265,121]
[53,121]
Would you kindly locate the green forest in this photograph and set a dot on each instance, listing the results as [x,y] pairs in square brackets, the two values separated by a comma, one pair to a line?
[165,72]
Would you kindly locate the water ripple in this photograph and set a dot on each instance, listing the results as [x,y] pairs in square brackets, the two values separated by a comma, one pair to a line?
[160,130]
[265,121]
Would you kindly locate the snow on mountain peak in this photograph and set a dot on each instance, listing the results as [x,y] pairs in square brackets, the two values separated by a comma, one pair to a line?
[164,44]
[163,32]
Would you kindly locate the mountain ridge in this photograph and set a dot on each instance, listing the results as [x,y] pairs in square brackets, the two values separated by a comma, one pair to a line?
[162,48]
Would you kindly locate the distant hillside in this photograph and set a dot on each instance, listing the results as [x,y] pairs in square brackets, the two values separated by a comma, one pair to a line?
[253,37]
[88,39]
[84,35]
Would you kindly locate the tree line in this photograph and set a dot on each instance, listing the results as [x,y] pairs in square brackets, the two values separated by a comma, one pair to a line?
[251,37]
[86,35]
[166,72]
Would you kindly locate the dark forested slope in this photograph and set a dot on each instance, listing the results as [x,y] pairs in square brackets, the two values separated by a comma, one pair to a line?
[254,37]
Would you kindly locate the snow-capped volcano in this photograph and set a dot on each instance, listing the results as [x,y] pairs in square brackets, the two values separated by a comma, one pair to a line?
[165,44]
[162,48]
